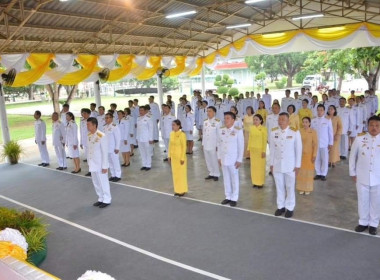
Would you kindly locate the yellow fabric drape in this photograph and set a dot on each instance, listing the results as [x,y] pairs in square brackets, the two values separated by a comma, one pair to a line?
[148,73]
[374,29]
[239,44]
[9,249]
[332,33]
[39,63]
[89,64]
[180,66]
[198,69]
[126,62]
[275,39]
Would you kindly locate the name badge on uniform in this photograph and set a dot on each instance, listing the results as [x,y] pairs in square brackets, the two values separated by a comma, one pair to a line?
[289,137]
[213,125]
[364,145]
[233,133]
[276,137]
[206,124]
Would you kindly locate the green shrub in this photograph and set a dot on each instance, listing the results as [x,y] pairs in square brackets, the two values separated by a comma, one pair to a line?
[222,90]
[233,91]
[13,151]
[281,84]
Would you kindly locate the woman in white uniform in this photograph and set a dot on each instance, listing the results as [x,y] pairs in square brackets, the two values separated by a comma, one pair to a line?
[238,121]
[125,147]
[188,126]
[72,141]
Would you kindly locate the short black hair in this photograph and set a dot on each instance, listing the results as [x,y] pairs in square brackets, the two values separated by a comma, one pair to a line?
[205,101]
[93,104]
[342,98]
[293,107]
[93,121]
[71,115]
[38,113]
[230,114]
[212,108]
[307,119]
[284,114]
[113,105]
[250,108]
[121,112]
[101,107]
[178,122]
[306,100]
[321,106]
[66,105]
[188,106]
[110,115]
[374,118]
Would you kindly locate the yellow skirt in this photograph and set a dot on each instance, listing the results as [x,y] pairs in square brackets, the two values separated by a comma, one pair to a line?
[334,155]
[305,177]
[257,167]
[179,175]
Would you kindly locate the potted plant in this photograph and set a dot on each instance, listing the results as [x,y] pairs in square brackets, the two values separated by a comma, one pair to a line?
[12,150]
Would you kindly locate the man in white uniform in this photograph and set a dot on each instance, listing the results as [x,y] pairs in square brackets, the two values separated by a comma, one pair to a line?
[101,118]
[59,136]
[155,110]
[211,127]
[286,101]
[285,161]
[365,171]
[267,98]
[112,132]
[230,156]
[145,138]
[65,109]
[353,129]
[272,119]
[297,102]
[40,138]
[98,163]
[166,127]
[94,113]
[344,114]
[324,129]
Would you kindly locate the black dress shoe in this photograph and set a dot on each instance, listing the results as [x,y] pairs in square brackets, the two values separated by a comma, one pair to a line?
[142,168]
[270,173]
[104,205]
[136,146]
[209,177]
[279,212]
[216,178]
[317,177]
[233,203]
[288,214]
[323,178]
[88,174]
[45,164]
[59,168]
[226,201]
[85,160]
[259,187]
[343,158]
[147,168]
[372,230]
[75,172]
[64,168]
[98,203]
[360,228]
[41,164]
[254,186]
[180,194]
[116,179]
[166,159]
[155,141]
[111,179]
[329,164]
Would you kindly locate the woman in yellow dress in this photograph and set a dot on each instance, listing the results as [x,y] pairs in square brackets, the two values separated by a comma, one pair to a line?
[305,177]
[257,147]
[247,124]
[334,153]
[305,111]
[177,159]
[262,111]
[294,120]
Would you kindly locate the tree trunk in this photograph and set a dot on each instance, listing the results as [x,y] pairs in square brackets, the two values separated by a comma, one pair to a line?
[54,90]
[289,83]
[31,93]
[71,93]
[340,82]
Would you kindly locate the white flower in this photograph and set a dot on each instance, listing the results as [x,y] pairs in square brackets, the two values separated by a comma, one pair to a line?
[15,237]
[95,275]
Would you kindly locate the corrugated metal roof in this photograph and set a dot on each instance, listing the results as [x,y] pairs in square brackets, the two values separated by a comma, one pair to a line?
[105,25]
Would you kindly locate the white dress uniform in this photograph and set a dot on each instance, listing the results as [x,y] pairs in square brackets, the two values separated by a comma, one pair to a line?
[94,114]
[238,122]
[228,104]
[155,110]
[202,116]
[285,102]
[40,136]
[285,156]
[365,115]
[124,135]
[267,99]
[166,128]
[97,160]
[101,122]
[324,129]
[272,122]
[112,132]
[72,139]
[240,108]
[209,142]
[135,114]
[181,113]
[144,134]
[220,109]
[368,104]
[188,125]
[172,108]
[353,121]
[314,110]
[375,104]
[63,118]
[365,165]
[361,120]
[298,104]
[344,114]
[83,136]
[249,102]
[230,150]
[59,137]
[115,117]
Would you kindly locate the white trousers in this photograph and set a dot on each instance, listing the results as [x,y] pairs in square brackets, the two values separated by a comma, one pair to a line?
[61,155]
[43,152]
[285,184]
[231,182]
[102,186]
[322,161]
[344,145]
[85,151]
[114,162]
[368,205]
[155,130]
[146,154]
[166,143]
[212,162]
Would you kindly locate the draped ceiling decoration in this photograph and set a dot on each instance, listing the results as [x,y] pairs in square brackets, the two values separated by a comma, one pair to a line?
[69,42]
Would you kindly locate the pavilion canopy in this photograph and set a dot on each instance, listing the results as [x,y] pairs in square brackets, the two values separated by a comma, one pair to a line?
[134,38]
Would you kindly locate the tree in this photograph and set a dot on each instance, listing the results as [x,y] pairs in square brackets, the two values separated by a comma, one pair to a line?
[266,63]
[170,83]
[224,83]
[340,62]
[366,62]
[290,64]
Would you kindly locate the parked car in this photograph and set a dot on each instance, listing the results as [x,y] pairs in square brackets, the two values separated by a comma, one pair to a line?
[312,82]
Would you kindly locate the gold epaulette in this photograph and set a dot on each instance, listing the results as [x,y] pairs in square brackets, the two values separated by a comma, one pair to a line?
[223,126]
[238,128]
[205,120]
[114,124]
[274,128]
[217,120]
[148,116]
[293,128]
[89,134]
[362,134]
[100,134]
